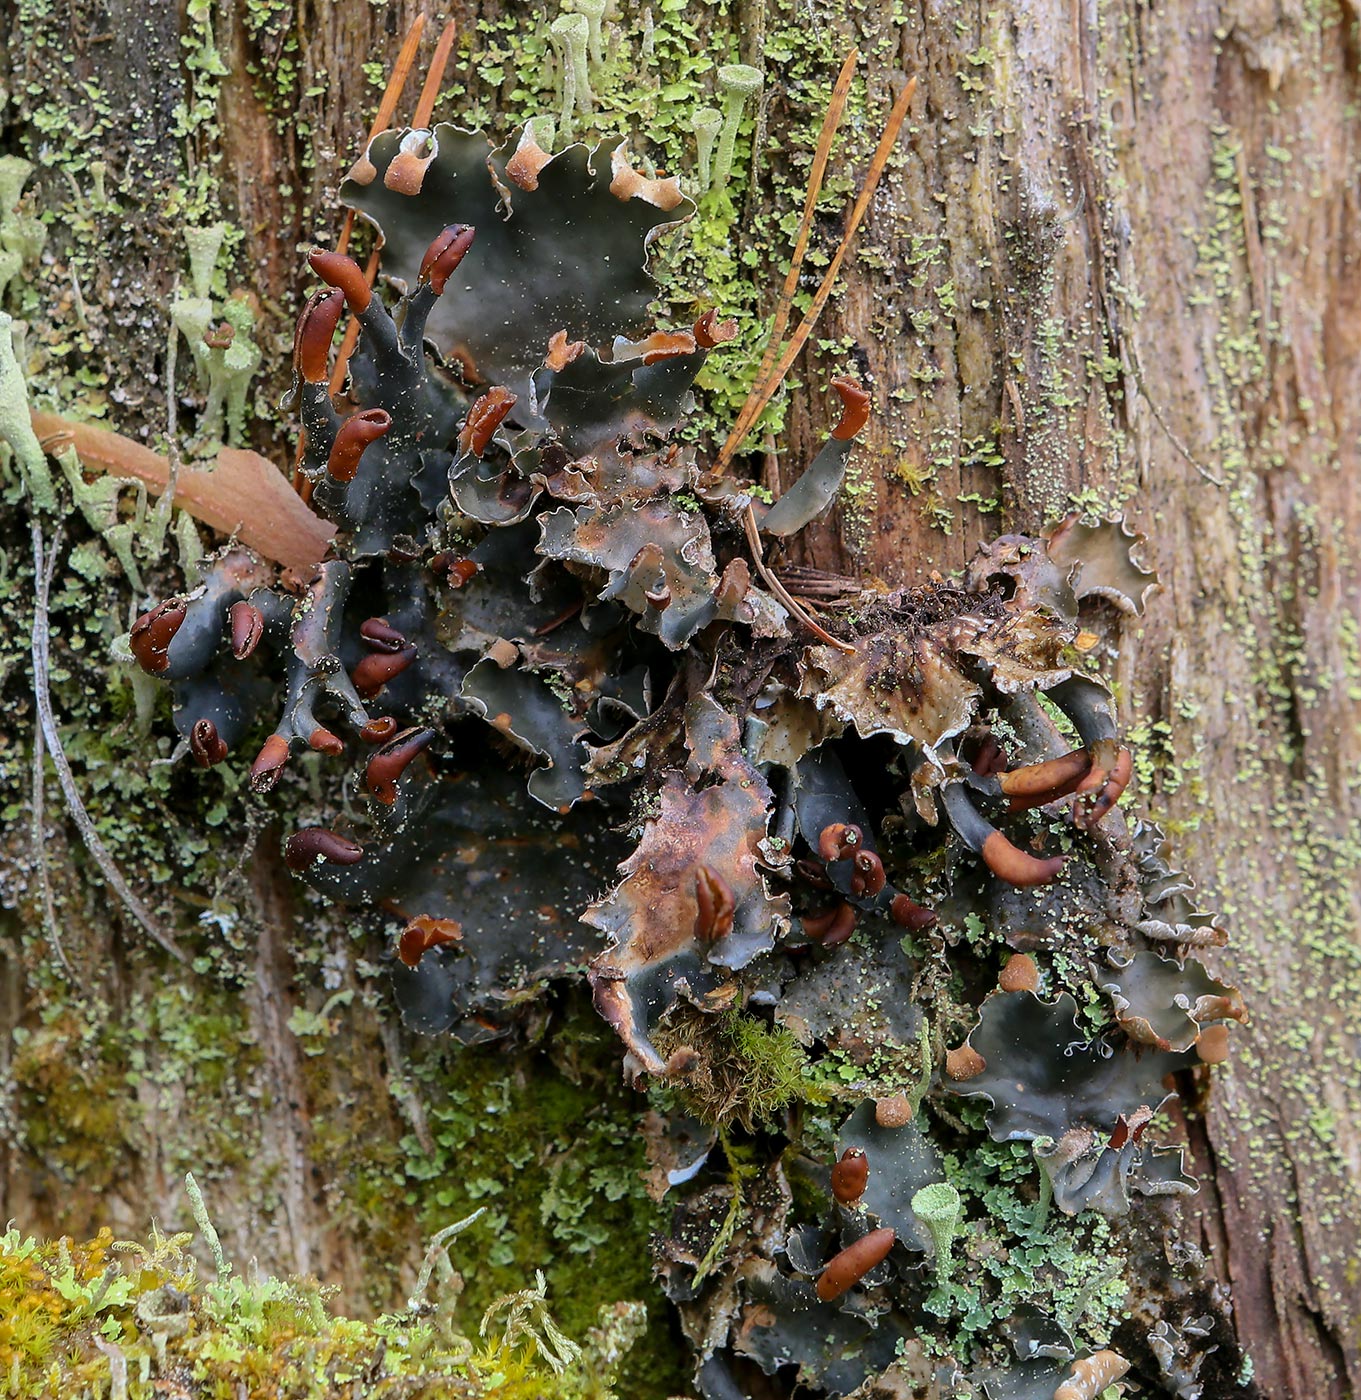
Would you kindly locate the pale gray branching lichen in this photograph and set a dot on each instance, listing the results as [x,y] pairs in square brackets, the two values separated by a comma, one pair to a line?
[232,358]
[528,1320]
[99,502]
[1038,1148]
[543,130]
[438,1266]
[206,1227]
[204,245]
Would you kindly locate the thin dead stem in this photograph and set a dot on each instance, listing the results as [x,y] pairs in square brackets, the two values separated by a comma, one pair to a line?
[382,119]
[387,106]
[38,838]
[780,591]
[44,565]
[425,106]
[785,304]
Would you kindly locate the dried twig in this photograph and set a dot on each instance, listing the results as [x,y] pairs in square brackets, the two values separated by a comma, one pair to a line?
[1167,427]
[44,564]
[425,106]
[38,842]
[780,591]
[387,106]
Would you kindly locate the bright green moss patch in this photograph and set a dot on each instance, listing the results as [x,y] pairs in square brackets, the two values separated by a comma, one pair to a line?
[747,1072]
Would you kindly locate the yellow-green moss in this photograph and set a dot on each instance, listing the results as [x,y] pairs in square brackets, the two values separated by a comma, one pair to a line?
[124,1319]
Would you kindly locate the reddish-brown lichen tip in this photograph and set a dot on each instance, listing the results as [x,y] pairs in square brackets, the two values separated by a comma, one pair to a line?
[315,331]
[355,434]
[850,1176]
[205,744]
[269,763]
[846,1269]
[484,417]
[342,272]
[391,761]
[153,632]
[444,254]
[1018,867]
[424,933]
[855,409]
[304,848]
[378,668]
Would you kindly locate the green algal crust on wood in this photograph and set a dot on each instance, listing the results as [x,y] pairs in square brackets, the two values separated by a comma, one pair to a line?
[1287,701]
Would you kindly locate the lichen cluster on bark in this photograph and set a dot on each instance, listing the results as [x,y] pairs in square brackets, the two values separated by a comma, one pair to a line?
[1115,266]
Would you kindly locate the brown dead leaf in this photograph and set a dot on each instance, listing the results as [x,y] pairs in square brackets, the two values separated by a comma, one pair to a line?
[245,494]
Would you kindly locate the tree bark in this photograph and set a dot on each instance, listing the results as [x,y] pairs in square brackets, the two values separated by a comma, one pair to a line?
[1116,265]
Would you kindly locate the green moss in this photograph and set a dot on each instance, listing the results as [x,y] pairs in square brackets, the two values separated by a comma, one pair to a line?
[76,1318]
[86,1077]
[72,1095]
[548,1142]
[747,1073]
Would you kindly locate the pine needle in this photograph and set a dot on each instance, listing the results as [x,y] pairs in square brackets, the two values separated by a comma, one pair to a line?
[762,394]
[785,304]
[425,107]
[382,119]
